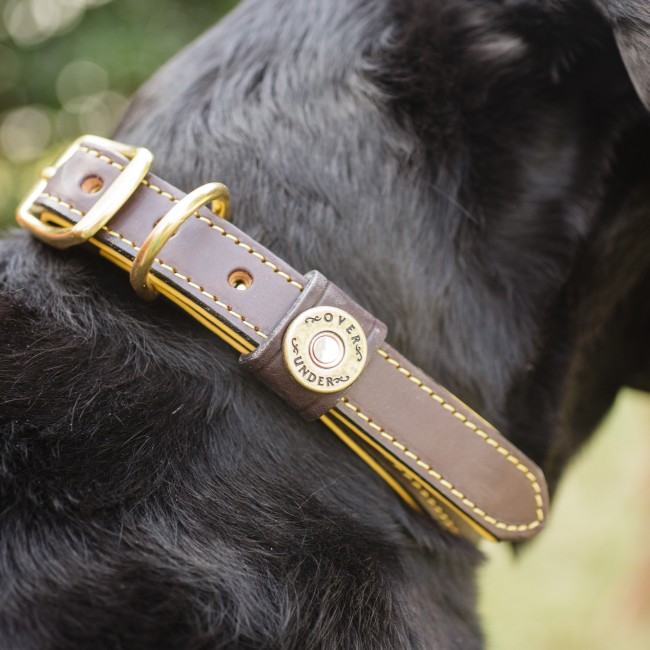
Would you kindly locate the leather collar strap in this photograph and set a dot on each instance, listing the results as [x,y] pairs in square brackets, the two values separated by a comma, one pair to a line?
[438,454]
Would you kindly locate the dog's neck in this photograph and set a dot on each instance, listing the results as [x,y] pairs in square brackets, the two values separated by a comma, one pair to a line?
[336,145]
[460,176]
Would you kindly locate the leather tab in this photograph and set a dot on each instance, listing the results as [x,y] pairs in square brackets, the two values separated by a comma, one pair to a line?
[433,449]
[267,362]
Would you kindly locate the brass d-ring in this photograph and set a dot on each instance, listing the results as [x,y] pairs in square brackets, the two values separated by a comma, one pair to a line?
[166,228]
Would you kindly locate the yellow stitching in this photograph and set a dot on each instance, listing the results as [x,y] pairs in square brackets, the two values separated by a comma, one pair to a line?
[444,482]
[106,159]
[442,516]
[133,245]
[439,400]
[200,217]
[63,203]
[484,436]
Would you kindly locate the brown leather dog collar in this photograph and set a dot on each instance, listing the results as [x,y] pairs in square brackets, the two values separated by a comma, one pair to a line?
[301,335]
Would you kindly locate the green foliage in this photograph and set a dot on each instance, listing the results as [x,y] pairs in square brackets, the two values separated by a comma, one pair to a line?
[67,67]
[584,583]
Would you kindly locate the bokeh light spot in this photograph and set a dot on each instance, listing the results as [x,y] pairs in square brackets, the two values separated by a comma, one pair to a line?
[25,133]
[78,81]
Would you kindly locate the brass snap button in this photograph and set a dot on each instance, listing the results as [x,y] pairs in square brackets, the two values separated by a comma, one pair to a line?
[325,349]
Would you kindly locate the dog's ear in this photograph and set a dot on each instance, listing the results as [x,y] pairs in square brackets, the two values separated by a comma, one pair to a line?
[630,20]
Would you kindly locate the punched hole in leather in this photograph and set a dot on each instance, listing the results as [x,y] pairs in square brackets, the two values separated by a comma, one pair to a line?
[424,441]
[268,364]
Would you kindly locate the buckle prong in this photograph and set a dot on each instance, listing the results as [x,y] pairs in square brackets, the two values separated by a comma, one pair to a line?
[140,161]
[215,193]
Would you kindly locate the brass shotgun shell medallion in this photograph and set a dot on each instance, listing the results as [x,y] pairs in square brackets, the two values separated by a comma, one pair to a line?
[325,349]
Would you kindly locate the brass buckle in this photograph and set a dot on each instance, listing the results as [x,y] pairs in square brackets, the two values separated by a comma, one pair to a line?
[115,196]
[215,193]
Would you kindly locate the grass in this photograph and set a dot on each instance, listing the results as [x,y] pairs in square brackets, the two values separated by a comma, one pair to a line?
[584,584]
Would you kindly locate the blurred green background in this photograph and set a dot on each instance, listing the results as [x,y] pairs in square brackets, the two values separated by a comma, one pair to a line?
[67,67]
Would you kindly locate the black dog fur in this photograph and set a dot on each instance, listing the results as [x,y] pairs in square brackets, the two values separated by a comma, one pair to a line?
[474,172]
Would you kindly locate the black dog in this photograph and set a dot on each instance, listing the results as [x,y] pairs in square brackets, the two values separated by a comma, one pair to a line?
[475,173]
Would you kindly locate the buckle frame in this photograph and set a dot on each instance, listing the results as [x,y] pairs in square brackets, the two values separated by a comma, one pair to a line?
[115,196]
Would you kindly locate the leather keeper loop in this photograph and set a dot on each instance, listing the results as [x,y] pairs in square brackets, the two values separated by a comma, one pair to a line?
[267,362]
[434,450]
